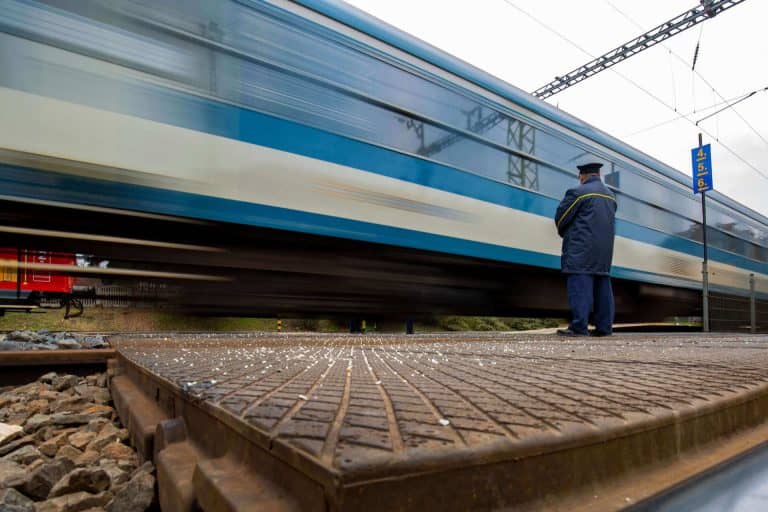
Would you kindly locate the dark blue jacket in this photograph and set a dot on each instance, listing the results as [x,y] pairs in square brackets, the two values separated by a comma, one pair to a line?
[585,220]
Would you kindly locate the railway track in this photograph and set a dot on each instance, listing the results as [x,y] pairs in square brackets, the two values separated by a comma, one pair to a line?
[435,422]
[26,366]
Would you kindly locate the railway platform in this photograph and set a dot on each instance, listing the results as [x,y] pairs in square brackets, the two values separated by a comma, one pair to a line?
[436,422]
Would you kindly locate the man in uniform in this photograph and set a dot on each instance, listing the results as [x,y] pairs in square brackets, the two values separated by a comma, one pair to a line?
[585,220]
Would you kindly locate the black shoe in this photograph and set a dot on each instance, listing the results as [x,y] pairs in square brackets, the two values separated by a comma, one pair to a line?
[569,332]
[599,334]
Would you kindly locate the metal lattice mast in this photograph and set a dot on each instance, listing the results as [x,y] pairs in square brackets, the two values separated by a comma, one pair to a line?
[702,12]
[521,171]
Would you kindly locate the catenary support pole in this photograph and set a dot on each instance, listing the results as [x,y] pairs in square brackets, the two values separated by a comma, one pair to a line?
[704,269]
[752,304]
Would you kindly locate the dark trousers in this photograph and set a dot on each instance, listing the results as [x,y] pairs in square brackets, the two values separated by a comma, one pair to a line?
[587,293]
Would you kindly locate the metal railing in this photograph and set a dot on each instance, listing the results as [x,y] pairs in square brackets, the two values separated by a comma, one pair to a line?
[738,313]
[117,296]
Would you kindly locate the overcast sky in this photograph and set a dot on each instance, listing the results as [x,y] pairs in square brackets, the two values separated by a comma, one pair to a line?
[499,37]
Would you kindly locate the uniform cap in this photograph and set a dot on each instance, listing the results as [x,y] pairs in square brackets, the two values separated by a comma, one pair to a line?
[589,168]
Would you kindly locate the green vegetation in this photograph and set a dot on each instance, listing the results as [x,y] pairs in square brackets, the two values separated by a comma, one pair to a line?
[129,320]
[491,323]
[96,319]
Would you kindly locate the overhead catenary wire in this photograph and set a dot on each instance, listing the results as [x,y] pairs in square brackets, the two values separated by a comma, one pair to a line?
[674,82]
[688,114]
[730,105]
[762,174]
[717,119]
[698,73]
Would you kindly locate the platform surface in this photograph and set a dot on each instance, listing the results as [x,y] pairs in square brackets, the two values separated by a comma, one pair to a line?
[366,406]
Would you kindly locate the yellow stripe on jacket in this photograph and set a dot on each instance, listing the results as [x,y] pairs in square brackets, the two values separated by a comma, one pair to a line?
[593,194]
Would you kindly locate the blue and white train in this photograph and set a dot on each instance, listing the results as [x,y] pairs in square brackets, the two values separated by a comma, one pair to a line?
[312,118]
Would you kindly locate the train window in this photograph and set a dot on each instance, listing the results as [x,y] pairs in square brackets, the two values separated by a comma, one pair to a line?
[613,177]
[8,270]
[140,48]
[341,83]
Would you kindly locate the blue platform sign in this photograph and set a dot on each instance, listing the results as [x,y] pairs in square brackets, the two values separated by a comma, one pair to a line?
[702,168]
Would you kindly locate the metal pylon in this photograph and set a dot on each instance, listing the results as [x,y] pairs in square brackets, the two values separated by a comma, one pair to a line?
[521,171]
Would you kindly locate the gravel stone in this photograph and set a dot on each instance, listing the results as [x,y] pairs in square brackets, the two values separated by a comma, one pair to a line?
[27,336]
[24,455]
[44,346]
[118,451]
[67,418]
[29,391]
[108,434]
[88,457]
[117,476]
[71,404]
[65,382]
[127,465]
[68,344]
[96,425]
[44,340]
[11,473]
[82,479]
[14,445]
[54,431]
[12,500]
[17,414]
[35,464]
[52,445]
[94,393]
[146,467]
[75,502]
[137,495]
[41,481]
[9,433]
[81,389]
[49,395]
[37,421]
[38,406]
[48,378]
[12,346]
[98,410]
[81,439]
[94,342]
[69,452]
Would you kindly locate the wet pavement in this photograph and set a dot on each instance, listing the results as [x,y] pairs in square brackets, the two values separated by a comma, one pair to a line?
[364,407]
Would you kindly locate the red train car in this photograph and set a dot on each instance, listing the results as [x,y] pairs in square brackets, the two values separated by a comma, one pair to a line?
[27,277]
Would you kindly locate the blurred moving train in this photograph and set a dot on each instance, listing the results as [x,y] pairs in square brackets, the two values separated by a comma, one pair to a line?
[318,160]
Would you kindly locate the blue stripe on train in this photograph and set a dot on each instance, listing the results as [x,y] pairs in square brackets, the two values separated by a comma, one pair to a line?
[24,182]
